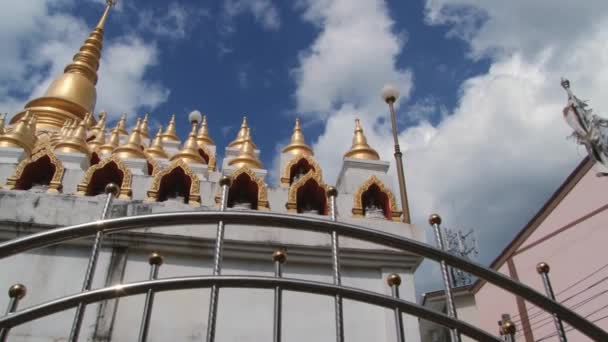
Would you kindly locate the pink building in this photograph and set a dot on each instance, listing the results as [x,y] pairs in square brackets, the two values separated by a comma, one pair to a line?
[570,233]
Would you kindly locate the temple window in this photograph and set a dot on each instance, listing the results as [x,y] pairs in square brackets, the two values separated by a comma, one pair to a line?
[175,186]
[109,173]
[37,175]
[243,193]
[375,203]
[298,170]
[311,198]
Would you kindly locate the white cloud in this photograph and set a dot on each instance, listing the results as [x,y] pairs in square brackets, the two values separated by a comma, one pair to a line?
[173,22]
[39,43]
[264,12]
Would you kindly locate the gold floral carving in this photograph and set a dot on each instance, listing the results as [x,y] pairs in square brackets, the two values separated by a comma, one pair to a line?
[212,161]
[125,187]
[358,198]
[194,199]
[263,203]
[292,195]
[54,185]
[285,177]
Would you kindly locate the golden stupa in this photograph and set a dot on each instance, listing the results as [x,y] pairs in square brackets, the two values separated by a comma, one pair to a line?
[247,157]
[132,149]
[360,148]
[98,141]
[298,146]
[144,128]
[241,136]
[20,136]
[73,94]
[156,149]
[170,133]
[203,137]
[100,126]
[109,147]
[76,142]
[189,153]
[121,127]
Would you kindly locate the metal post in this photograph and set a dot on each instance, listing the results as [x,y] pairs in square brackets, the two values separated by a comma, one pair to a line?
[543,269]
[507,328]
[155,260]
[435,222]
[279,257]
[15,293]
[112,191]
[217,260]
[332,193]
[399,162]
[394,280]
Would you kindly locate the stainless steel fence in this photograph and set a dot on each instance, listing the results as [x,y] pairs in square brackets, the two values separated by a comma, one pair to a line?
[216,281]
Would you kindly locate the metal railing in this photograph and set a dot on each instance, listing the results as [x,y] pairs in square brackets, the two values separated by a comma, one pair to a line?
[216,281]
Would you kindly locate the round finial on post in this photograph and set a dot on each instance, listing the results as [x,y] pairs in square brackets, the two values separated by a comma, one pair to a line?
[509,328]
[393,279]
[225,181]
[279,256]
[156,259]
[390,93]
[434,219]
[332,191]
[195,116]
[17,291]
[542,268]
[112,188]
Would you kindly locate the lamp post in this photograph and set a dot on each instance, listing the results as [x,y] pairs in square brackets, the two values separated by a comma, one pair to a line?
[390,94]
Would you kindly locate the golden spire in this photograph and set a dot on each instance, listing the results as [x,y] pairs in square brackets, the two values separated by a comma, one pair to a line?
[157,149]
[90,120]
[100,139]
[170,134]
[203,134]
[20,136]
[360,148]
[132,148]
[189,153]
[101,124]
[246,157]
[241,135]
[121,127]
[72,94]
[76,143]
[57,136]
[2,121]
[144,128]
[298,146]
[111,145]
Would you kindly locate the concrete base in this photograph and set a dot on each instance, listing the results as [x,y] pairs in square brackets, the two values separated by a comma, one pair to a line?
[355,172]
[11,155]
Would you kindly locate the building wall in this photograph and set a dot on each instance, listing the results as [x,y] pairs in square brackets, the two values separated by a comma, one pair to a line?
[572,240]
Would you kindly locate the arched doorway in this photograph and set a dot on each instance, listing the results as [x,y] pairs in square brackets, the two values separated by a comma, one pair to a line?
[311,198]
[243,193]
[175,186]
[109,173]
[37,175]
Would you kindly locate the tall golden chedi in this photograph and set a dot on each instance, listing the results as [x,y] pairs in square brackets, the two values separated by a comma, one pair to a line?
[360,148]
[297,146]
[71,95]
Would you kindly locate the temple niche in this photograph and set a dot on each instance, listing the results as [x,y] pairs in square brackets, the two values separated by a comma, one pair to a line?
[178,183]
[247,191]
[42,172]
[110,170]
[307,196]
[374,200]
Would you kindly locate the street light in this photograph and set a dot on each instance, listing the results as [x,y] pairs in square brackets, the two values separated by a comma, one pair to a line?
[195,116]
[390,94]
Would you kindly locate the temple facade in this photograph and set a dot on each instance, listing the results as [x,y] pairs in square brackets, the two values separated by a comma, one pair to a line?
[58,155]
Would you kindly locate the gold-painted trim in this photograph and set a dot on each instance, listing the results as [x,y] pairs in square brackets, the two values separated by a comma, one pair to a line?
[311,161]
[155,166]
[194,198]
[263,203]
[292,195]
[358,198]
[127,176]
[55,184]
[211,164]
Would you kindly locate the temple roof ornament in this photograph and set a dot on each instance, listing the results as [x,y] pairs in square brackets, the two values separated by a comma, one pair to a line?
[76,142]
[589,129]
[298,146]
[98,141]
[170,133]
[101,124]
[203,137]
[121,127]
[241,136]
[247,157]
[20,136]
[132,149]
[360,148]
[156,149]
[144,128]
[112,144]
[189,152]
[72,94]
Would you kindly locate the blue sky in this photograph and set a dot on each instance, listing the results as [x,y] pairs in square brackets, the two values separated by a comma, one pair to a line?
[480,116]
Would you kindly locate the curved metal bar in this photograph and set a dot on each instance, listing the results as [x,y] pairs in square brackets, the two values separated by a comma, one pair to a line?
[251,218]
[183,283]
